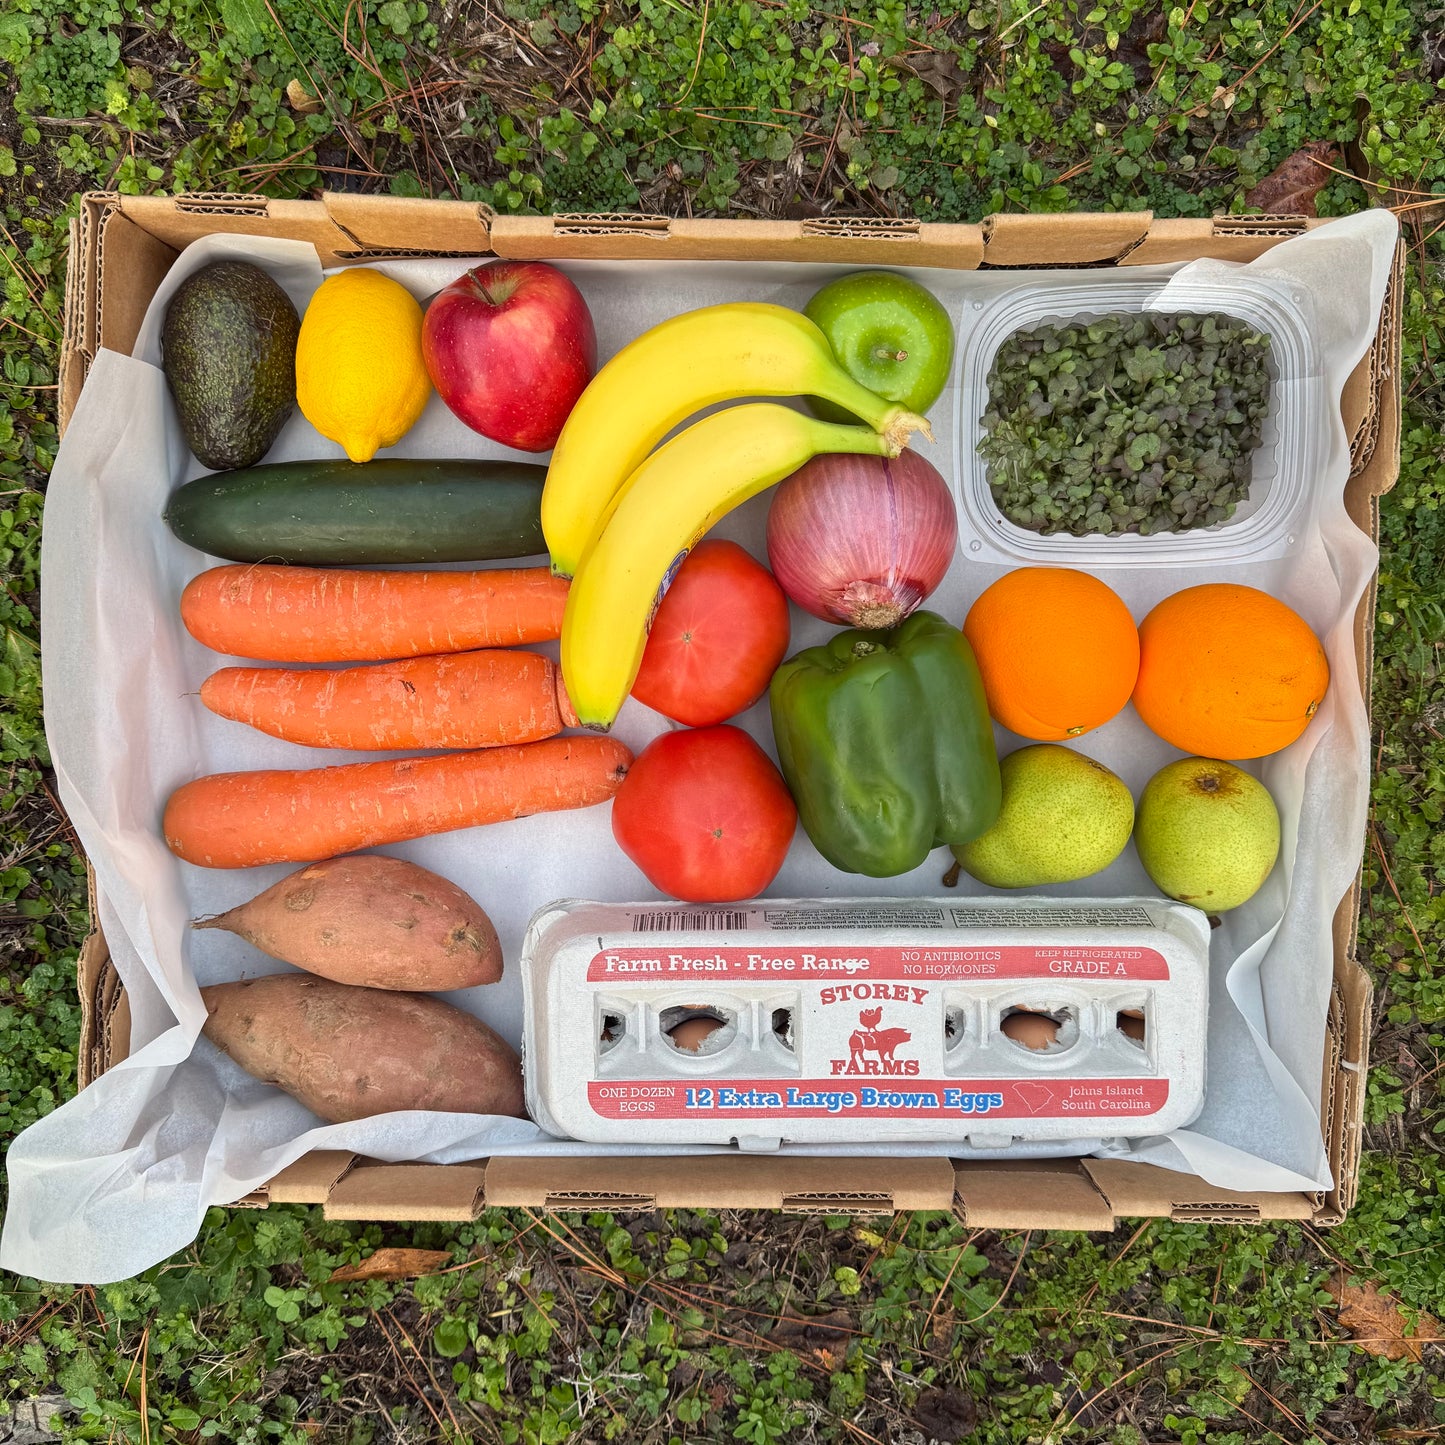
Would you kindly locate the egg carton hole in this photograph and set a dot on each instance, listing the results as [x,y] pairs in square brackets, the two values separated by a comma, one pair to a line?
[697,1031]
[955,1027]
[610,1032]
[782,1026]
[1133,1024]
[1040,1030]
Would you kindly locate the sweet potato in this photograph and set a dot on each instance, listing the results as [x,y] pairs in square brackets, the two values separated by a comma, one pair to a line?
[348,1053]
[371,921]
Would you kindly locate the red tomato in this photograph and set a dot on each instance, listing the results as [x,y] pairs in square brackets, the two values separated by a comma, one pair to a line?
[705,815]
[717,639]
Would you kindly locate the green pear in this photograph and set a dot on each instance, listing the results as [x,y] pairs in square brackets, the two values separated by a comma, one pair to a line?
[1208,833]
[1064,816]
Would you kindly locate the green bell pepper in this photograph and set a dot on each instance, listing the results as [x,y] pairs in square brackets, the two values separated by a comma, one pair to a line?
[885,740]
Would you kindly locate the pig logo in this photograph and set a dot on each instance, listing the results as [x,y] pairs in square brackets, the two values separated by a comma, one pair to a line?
[882,1043]
[870,1039]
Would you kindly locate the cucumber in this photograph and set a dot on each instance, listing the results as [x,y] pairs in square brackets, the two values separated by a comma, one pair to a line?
[355,514]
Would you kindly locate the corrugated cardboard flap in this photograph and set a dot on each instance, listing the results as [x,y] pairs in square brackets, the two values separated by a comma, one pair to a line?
[104,1007]
[399,226]
[731,1181]
[73,361]
[1029,1194]
[94,207]
[94,959]
[610,223]
[445,1192]
[178,220]
[877,240]
[127,263]
[1093,238]
[366,254]
[1227,238]
[220,203]
[310,1179]
[1372,399]
[1343,1113]
[1148,1191]
[605,236]
[849,240]
[1261,225]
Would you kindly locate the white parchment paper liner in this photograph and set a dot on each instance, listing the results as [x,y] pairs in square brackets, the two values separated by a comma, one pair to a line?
[120,1177]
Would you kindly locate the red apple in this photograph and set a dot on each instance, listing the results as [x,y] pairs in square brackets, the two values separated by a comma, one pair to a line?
[509,347]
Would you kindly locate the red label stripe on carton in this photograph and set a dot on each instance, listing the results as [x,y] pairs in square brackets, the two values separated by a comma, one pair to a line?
[935,961]
[960,1099]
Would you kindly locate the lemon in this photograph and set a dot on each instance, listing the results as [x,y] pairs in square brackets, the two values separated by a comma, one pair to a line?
[360,377]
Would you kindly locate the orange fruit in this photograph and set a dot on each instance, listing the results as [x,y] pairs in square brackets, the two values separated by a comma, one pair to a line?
[1228,672]
[1058,651]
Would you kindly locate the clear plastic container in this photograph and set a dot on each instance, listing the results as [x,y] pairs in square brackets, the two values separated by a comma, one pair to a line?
[1282,496]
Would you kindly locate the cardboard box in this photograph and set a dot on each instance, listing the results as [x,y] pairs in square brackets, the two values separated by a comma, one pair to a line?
[122,246]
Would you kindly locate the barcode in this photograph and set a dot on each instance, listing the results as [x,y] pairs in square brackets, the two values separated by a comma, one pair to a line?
[694,920]
[1057,917]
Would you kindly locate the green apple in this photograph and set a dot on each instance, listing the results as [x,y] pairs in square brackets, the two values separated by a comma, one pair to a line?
[1208,833]
[1064,816]
[888,333]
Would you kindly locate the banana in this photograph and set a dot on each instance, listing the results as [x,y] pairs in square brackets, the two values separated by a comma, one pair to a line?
[653,522]
[692,361]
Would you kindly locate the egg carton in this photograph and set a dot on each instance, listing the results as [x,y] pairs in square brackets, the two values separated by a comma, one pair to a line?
[865,1021]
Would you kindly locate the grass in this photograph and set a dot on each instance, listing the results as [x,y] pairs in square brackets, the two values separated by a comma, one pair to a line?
[685,1324]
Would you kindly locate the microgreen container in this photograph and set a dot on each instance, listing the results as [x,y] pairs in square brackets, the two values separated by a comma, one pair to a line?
[1283,494]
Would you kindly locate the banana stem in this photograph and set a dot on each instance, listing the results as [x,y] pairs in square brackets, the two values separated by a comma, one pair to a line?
[886,417]
[827,436]
[894,432]
[899,427]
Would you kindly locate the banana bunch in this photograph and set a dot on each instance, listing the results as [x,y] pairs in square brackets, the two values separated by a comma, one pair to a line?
[621,517]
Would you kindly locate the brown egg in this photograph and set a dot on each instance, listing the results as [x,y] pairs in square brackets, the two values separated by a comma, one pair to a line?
[1032,1030]
[691,1033]
[1131,1024]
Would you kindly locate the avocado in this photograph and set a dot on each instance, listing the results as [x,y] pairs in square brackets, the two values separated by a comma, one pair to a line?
[228,346]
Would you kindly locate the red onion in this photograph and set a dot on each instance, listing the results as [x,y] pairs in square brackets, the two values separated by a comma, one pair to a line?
[862,540]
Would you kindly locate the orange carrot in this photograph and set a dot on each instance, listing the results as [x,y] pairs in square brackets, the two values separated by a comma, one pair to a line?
[457,700]
[242,820]
[332,614]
